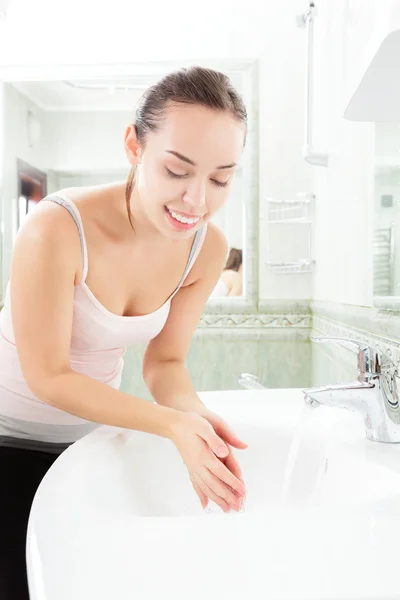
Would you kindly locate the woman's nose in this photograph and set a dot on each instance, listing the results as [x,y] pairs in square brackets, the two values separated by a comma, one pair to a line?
[195,196]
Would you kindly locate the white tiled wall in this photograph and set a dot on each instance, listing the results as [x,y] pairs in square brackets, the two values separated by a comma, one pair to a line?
[16,145]
[344,208]
[283,171]
[88,141]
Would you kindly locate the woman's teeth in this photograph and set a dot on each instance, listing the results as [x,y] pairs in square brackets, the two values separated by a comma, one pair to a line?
[181,219]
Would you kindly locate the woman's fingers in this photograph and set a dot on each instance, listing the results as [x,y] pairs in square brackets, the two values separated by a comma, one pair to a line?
[215,482]
[230,437]
[210,493]
[223,491]
[198,445]
[215,442]
[218,468]
[200,493]
[232,464]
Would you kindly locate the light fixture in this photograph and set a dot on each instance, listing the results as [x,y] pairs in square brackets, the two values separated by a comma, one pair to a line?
[110,86]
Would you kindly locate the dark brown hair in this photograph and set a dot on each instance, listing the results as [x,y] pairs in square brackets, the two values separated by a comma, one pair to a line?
[234,260]
[193,85]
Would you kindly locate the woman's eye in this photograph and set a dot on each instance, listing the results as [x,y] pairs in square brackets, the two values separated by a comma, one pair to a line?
[220,183]
[176,176]
[172,174]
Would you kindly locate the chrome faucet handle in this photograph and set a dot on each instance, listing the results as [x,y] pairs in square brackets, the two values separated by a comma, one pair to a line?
[370,361]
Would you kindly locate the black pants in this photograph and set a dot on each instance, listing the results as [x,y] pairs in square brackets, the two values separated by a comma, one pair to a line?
[21,472]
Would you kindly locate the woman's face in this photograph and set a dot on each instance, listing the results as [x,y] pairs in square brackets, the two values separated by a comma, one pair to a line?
[186,168]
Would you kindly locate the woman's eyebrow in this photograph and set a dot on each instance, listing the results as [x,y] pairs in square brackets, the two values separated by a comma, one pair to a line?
[191,162]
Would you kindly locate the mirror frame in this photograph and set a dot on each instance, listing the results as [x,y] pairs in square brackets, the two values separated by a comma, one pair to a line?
[387,302]
[248,303]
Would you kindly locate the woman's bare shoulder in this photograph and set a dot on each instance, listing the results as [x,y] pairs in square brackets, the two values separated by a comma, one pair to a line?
[49,216]
[230,275]
[46,231]
[89,194]
[49,220]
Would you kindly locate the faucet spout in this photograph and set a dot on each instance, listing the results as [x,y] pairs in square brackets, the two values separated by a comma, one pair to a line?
[374,396]
[352,396]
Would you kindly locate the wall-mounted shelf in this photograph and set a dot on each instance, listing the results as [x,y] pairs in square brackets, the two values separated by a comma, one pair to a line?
[293,254]
[299,221]
[299,266]
[298,210]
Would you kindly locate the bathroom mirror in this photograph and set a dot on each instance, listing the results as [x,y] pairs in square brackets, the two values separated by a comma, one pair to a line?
[386,234]
[67,129]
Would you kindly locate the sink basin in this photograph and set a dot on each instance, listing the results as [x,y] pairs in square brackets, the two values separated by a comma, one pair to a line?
[116,516]
[283,467]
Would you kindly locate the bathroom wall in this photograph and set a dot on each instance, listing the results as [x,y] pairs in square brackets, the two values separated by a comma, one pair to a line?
[343,281]
[98,152]
[94,148]
[16,145]
[283,172]
[344,189]
[279,353]
[251,32]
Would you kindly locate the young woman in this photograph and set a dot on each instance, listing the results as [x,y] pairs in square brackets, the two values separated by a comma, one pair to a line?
[95,269]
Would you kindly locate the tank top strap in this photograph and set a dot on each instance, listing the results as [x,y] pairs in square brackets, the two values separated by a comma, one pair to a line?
[194,252]
[73,210]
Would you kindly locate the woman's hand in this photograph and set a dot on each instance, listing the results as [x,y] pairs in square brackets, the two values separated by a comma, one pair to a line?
[200,447]
[224,431]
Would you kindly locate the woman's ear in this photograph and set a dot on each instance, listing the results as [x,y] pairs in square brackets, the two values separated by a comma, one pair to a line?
[132,147]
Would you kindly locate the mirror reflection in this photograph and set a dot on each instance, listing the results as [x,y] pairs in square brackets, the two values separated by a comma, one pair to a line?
[231,281]
[66,134]
[386,241]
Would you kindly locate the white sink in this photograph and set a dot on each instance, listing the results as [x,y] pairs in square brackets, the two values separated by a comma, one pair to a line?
[116,515]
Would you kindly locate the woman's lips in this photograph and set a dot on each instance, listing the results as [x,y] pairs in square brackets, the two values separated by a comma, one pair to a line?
[181,225]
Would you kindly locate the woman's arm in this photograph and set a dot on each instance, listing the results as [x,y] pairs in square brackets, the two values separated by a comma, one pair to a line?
[164,364]
[45,267]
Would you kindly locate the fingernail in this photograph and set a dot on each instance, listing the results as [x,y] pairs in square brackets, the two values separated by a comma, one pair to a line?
[222,451]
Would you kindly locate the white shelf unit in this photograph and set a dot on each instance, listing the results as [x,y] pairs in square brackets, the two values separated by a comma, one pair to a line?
[297,212]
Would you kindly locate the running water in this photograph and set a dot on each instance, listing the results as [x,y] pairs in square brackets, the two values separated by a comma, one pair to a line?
[306,465]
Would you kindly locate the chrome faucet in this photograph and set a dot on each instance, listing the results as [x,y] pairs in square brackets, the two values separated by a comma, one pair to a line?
[250,382]
[374,395]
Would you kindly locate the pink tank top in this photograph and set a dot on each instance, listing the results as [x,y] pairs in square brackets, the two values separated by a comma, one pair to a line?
[98,342]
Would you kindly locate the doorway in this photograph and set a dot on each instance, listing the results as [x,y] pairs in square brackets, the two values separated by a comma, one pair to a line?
[32,187]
